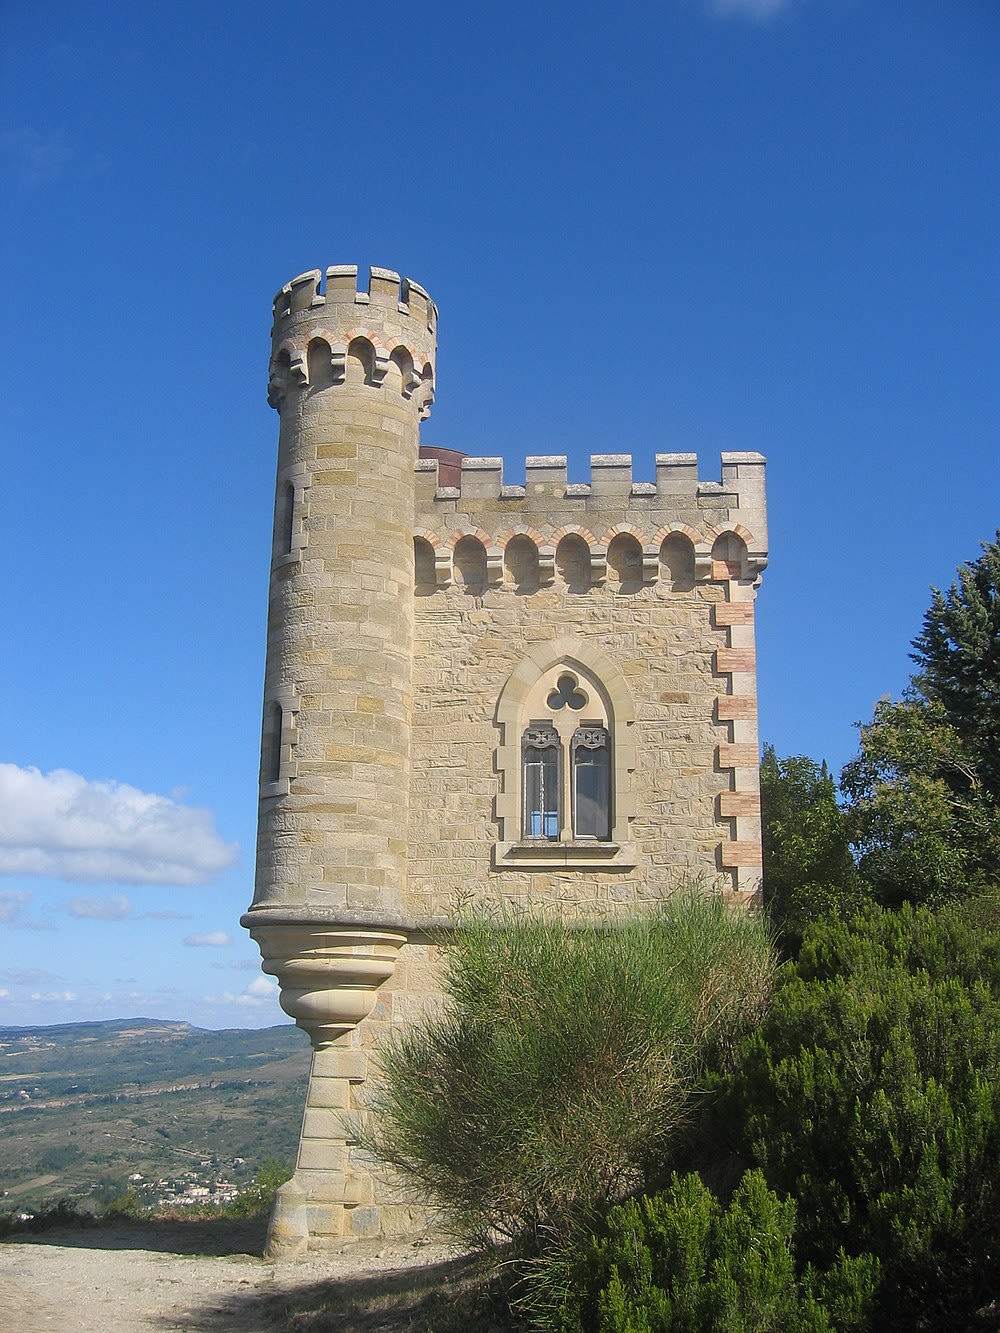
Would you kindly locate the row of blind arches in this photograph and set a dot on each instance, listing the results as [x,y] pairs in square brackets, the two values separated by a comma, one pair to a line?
[573,566]
[361,365]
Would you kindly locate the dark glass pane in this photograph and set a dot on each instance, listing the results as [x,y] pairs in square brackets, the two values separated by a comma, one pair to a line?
[541,792]
[288,519]
[591,792]
[272,744]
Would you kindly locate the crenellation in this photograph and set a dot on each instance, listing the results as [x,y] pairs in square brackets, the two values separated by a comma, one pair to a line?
[341,283]
[678,496]
[482,478]
[303,291]
[545,474]
[610,475]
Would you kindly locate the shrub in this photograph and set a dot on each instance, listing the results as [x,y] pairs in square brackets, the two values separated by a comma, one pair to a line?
[61,1213]
[256,1199]
[872,1096]
[128,1204]
[565,1061]
[680,1261]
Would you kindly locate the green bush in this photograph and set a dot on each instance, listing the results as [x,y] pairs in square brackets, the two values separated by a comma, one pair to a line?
[872,1096]
[128,1204]
[681,1263]
[256,1199]
[61,1213]
[565,1062]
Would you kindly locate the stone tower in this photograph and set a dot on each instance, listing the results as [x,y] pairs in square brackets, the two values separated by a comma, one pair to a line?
[545,692]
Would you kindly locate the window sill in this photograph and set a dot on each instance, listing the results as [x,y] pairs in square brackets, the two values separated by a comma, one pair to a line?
[580,854]
[285,559]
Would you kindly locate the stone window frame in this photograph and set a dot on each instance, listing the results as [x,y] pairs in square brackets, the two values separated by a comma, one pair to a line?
[286,698]
[563,725]
[296,476]
[518,853]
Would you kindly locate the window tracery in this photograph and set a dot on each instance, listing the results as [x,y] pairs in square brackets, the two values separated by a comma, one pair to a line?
[566,763]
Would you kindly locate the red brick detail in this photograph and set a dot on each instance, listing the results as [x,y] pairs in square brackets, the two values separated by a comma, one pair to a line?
[724,570]
[626,529]
[575,530]
[735,707]
[741,854]
[735,659]
[735,803]
[733,613]
[738,756]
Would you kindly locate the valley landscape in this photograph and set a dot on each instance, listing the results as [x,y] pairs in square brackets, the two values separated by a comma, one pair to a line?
[177,1115]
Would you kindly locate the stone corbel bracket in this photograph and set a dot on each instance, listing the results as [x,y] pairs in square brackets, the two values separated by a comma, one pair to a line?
[329,974]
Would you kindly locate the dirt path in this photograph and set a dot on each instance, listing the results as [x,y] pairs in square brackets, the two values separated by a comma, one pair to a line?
[136,1279]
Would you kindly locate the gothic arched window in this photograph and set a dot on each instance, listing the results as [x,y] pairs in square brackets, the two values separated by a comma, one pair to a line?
[566,761]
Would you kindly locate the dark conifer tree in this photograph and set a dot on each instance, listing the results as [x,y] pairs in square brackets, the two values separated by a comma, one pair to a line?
[958,653]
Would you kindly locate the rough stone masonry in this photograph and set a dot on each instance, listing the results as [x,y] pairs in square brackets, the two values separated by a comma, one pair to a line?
[543,692]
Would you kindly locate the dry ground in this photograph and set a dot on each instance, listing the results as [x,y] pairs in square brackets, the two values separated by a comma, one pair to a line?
[139,1277]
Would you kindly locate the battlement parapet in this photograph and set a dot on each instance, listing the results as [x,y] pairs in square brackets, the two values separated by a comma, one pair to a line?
[677,500]
[338,285]
[321,318]
[610,475]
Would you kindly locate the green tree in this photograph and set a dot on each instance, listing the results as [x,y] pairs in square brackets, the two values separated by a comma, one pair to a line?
[808,865]
[924,791]
[958,653]
[923,826]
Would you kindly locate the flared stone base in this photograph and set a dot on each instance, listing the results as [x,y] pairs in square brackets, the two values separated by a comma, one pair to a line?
[348,986]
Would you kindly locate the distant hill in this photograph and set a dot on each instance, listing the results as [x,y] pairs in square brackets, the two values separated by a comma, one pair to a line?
[83,1106]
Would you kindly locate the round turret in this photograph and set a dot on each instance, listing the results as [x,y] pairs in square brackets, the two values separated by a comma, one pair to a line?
[351,375]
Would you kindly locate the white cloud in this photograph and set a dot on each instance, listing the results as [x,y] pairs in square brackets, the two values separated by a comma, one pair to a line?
[13,911]
[214,939]
[70,827]
[262,991]
[760,11]
[12,903]
[3,993]
[115,907]
[53,996]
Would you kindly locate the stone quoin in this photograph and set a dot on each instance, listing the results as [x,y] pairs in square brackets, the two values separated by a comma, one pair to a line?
[542,692]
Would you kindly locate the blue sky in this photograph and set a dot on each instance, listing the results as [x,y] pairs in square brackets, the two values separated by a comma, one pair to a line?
[691,225]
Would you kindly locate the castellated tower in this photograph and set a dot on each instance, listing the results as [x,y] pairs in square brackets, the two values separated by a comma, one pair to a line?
[544,692]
